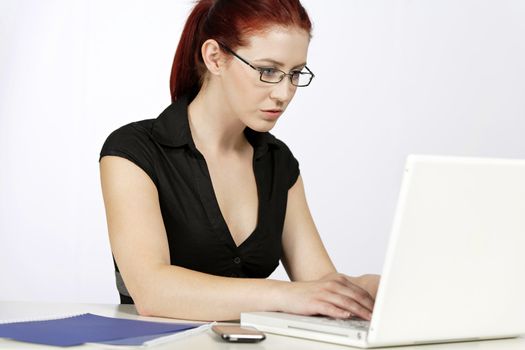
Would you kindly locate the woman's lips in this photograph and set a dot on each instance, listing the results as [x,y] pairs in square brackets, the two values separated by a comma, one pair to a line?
[272,114]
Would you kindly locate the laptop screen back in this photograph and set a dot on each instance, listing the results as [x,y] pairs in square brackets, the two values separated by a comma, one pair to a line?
[455,265]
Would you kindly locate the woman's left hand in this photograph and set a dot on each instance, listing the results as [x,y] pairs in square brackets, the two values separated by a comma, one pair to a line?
[369,282]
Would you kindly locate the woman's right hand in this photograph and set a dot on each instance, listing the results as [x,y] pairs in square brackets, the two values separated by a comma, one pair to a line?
[335,295]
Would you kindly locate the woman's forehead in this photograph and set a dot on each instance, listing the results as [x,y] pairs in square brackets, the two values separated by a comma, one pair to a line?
[282,44]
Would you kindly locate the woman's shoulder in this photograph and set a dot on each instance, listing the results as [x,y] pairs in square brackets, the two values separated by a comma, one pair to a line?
[267,141]
[282,157]
[133,142]
[279,147]
[133,137]
[132,132]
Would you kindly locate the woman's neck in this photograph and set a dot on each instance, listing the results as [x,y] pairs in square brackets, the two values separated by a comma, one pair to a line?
[213,126]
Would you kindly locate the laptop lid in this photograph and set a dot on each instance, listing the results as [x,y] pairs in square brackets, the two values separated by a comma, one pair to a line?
[455,267]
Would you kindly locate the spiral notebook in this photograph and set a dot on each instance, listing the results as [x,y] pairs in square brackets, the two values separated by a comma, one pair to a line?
[90,328]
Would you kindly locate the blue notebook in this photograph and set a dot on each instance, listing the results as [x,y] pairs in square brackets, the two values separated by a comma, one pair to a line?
[89,328]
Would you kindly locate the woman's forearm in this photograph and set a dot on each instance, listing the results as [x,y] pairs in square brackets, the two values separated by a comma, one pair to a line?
[176,292]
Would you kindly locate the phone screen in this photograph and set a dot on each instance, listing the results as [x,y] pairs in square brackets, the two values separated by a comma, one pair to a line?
[239,334]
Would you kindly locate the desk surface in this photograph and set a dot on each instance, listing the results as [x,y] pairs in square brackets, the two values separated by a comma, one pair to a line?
[206,340]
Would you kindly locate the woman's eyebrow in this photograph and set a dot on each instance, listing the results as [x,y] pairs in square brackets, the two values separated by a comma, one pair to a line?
[277,63]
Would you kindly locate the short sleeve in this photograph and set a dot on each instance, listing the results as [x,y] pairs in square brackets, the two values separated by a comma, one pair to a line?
[132,142]
[289,163]
[293,171]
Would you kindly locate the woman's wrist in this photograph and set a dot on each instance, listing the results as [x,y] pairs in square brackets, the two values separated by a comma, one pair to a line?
[368,282]
[273,297]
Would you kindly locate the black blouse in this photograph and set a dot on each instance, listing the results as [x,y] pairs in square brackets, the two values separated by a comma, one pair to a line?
[198,236]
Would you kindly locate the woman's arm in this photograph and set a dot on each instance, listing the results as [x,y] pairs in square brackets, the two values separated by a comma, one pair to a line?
[305,257]
[140,247]
[139,244]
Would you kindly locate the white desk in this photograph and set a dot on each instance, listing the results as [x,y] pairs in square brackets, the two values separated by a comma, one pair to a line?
[206,340]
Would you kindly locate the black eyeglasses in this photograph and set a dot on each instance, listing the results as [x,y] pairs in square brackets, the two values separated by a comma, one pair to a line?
[273,75]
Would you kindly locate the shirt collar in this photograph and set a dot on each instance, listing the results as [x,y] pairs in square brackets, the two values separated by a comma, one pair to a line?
[172,129]
[260,141]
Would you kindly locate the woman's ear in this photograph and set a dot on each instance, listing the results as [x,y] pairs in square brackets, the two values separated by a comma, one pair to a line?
[212,56]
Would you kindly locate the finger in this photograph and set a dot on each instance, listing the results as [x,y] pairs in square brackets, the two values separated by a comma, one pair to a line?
[329,309]
[358,310]
[348,304]
[362,297]
[354,293]
[359,294]
[342,285]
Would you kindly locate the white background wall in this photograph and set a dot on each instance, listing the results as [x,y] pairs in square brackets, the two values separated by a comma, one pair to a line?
[392,77]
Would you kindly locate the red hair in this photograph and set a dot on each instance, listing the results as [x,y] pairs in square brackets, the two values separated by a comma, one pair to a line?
[228,22]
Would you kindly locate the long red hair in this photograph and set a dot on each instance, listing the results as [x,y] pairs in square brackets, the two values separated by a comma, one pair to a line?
[229,22]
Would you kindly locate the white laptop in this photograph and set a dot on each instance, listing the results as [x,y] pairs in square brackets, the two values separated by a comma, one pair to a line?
[455,263]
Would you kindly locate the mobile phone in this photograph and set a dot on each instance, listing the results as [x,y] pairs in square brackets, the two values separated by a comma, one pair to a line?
[239,334]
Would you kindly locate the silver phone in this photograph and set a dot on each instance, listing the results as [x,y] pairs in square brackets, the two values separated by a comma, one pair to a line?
[239,334]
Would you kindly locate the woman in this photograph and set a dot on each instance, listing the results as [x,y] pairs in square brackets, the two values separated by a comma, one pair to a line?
[202,203]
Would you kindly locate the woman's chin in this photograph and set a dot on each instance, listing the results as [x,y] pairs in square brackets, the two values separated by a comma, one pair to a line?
[263,125]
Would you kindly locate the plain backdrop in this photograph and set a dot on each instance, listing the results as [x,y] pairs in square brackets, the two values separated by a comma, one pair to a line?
[393,77]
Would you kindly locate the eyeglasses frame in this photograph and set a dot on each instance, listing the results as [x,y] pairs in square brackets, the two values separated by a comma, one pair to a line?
[290,75]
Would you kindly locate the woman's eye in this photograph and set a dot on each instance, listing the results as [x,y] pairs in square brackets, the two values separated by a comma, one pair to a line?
[269,71]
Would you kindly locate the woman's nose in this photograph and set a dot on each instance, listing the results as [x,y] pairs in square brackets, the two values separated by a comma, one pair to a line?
[283,90]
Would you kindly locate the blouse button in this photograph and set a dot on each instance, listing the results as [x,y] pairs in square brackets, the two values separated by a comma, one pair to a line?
[237,260]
